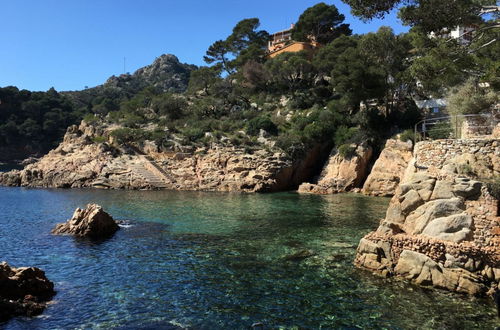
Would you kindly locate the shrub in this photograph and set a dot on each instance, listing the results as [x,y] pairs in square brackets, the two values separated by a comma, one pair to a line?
[170,105]
[125,135]
[344,134]
[406,135]
[262,122]
[99,139]
[90,118]
[440,130]
[347,151]
[193,134]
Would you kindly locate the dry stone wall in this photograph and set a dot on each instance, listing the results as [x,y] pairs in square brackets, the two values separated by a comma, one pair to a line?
[442,227]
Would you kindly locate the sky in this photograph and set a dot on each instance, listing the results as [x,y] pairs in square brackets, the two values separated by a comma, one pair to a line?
[70,44]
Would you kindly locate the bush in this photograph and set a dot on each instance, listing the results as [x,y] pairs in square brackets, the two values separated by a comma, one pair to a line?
[99,139]
[440,130]
[193,134]
[347,151]
[344,134]
[170,105]
[90,118]
[125,135]
[406,135]
[263,122]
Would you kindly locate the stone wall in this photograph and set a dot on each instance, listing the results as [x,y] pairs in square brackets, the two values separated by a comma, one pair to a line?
[442,227]
[479,126]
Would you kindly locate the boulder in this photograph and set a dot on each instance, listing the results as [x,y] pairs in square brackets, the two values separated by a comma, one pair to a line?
[455,228]
[418,220]
[91,222]
[23,291]
[424,271]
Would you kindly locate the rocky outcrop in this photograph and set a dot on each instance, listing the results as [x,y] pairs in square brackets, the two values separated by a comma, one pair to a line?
[79,161]
[341,173]
[388,169]
[91,222]
[23,291]
[442,227]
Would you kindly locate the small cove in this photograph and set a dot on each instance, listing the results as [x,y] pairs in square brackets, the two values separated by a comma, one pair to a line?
[217,260]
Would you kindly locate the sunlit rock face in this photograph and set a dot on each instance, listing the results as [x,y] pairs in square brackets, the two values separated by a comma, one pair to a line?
[442,227]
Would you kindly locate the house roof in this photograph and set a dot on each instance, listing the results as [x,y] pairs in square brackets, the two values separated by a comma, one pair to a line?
[431,103]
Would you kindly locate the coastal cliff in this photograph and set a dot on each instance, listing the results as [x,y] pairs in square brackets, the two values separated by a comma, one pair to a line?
[80,161]
[341,173]
[388,169]
[442,227]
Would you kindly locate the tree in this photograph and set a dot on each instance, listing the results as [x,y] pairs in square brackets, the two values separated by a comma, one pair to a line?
[245,43]
[326,58]
[433,15]
[356,78]
[248,43]
[203,79]
[291,70]
[322,23]
[217,54]
[469,98]
[389,52]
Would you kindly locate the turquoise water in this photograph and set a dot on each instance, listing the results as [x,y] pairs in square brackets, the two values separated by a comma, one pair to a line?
[217,261]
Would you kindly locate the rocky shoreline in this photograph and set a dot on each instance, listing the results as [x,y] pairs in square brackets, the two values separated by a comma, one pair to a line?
[442,227]
[23,291]
[79,162]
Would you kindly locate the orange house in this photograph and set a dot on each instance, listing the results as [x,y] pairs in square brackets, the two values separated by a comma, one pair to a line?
[281,42]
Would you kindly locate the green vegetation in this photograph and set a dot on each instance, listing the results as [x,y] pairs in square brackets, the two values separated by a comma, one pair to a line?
[353,89]
[347,151]
[440,130]
[34,121]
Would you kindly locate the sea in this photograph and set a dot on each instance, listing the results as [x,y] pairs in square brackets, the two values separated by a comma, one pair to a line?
[208,260]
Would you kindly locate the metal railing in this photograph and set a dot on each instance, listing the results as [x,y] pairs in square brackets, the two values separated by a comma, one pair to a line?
[456,126]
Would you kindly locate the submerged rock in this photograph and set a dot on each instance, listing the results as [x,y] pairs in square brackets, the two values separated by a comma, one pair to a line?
[23,291]
[91,222]
[300,255]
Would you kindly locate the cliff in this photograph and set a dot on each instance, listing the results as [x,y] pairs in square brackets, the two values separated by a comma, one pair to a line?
[341,173]
[442,227]
[388,169]
[79,161]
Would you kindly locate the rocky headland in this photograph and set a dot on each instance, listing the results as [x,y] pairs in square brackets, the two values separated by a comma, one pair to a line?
[23,291]
[79,161]
[442,227]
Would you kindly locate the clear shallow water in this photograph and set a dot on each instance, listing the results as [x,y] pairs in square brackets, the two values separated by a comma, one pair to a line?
[217,261]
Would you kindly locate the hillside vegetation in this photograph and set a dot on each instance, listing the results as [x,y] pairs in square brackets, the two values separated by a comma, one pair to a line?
[353,88]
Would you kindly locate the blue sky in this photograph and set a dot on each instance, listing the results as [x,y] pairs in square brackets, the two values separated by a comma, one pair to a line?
[70,44]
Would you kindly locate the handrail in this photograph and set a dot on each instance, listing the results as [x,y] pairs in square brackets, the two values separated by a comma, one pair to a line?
[457,119]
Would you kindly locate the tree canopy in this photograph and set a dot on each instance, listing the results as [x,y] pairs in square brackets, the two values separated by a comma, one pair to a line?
[322,23]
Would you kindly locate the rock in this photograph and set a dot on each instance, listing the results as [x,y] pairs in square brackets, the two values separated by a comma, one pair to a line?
[411,202]
[418,220]
[466,188]
[75,163]
[441,228]
[23,291]
[341,174]
[91,222]
[300,255]
[388,169]
[455,228]
[424,271]
[443,190]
